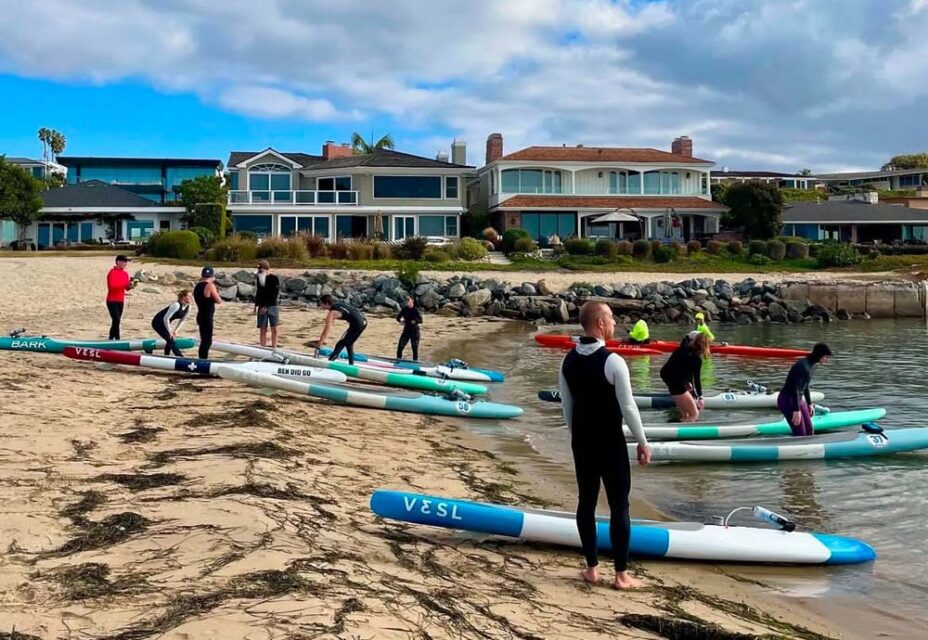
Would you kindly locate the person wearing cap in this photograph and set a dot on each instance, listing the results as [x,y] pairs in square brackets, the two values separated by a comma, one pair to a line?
[795,399]
[207,297]
[702,327]
[267,292]
[117,283]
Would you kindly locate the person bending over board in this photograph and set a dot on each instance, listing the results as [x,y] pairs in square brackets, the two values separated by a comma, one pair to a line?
[795,399]
[682,373]
[596,394]
[411,319]
[175,312]
[207,297]
[357,323]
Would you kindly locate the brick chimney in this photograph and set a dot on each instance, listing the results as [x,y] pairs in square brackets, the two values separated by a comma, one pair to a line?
[494,147]
[682,146]
[330,150]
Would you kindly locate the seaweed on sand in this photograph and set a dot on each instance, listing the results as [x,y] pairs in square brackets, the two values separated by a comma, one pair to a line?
[142,481]
[109,531]
[269,450]
[92,580]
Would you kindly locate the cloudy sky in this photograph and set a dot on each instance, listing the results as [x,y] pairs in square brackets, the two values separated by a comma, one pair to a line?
[780,84]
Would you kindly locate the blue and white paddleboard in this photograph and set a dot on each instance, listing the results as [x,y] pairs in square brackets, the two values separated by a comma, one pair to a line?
[684,540]
[724,400]
[828,446]
[451,370]
[390,400]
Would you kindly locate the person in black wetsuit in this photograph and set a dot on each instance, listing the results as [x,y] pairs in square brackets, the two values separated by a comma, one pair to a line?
[795,399]
[682,373]
[357,323]
[411,319]
[596,394]
[175,312]
[207,297]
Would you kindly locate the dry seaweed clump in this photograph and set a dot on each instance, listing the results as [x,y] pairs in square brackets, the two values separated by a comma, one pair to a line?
[248,450]
[16,635]
[92,580]
[109,531]
[142,481]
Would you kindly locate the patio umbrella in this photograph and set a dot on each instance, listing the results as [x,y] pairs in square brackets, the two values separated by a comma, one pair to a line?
[378,225]
[619,215]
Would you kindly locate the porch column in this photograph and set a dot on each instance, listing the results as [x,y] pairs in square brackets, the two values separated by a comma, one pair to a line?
[854,233]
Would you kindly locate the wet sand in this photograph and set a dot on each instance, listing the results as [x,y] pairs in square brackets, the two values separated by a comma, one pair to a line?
[144,504]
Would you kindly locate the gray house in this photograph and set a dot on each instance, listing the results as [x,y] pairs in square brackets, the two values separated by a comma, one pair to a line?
[855,220]
[339,195]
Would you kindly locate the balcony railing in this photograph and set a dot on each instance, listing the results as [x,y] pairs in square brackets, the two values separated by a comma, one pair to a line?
[307,198]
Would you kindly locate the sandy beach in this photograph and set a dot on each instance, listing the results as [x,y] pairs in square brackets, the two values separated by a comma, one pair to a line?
[142,504]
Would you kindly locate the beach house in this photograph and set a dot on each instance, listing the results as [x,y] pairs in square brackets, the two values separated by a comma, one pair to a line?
[598,192]
[340,195]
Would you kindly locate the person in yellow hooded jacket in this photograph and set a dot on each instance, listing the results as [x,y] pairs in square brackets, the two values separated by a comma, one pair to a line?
[703,328]
[639,333]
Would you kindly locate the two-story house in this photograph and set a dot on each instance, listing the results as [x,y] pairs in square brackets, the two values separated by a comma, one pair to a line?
[598,192]
[339,195]
[120,199]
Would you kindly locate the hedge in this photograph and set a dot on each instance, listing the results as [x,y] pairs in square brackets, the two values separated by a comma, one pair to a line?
[510,236]
[776,250]
[471,249]
[642,249]
[175,244]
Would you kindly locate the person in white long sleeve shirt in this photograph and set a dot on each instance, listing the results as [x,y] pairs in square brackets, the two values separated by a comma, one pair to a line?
[596,394]
[174,312]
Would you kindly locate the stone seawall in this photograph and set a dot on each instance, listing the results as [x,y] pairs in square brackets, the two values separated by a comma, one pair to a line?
[888,299]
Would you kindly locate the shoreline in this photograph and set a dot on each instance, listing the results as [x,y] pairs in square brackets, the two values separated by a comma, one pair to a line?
[145,502]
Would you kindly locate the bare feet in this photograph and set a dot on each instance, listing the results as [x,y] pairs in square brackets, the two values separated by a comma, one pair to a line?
[591,575]
[624,580]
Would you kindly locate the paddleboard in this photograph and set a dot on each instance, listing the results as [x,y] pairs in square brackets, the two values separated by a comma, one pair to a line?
[201,367]
[827,446]
[724,400]
[45,344]
[391,401]
[563,341]
[395,377]
[681,540]
[453,370]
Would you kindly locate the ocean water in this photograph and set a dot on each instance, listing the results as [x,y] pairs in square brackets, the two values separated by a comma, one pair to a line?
[880,500]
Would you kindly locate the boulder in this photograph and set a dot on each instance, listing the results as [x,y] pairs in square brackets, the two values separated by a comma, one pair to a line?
[603,290]
[168,279]
[430,300]
[225,281]
[248,277]
[709,306]
[628,291]
[478,298]
[456,290]
[527,289]
[228,293]
[313,290]
[542,288]
[777,313]
[245,290]
[295,285]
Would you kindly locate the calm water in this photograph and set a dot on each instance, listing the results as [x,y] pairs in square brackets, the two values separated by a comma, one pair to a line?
[880,500]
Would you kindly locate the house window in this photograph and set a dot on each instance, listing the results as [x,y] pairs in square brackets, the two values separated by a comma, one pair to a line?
[531,181]
[451,187]
[412,187]
[335,190]
[310,225]
[233,181]
[451,226]
[164,225]
[269,183]
[403,227]
[261,225]
[432,225]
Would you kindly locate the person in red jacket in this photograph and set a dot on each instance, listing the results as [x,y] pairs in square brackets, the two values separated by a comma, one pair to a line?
[117,283]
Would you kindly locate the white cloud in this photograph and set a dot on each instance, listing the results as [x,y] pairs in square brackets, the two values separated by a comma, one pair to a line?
[775,84]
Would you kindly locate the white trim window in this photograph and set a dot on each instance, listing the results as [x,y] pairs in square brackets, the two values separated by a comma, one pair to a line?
[313,225]
[407,187]
[335,190]
[531,181]
[269,183]
[403,226]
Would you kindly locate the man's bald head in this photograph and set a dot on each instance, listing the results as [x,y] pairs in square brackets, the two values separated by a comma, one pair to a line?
[590,315]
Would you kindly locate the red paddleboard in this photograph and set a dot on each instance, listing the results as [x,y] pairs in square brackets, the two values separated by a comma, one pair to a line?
[564,341]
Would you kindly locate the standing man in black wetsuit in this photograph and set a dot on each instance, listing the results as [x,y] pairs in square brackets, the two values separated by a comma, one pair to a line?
[596,394]
[267,292]
[357,323]
[411,319]
[207,297]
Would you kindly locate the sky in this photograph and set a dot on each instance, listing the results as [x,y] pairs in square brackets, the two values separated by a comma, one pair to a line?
[829,85]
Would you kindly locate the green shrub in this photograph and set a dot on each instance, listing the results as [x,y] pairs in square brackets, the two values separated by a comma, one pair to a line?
[235,248]
[623,248]
[175,244]
[436,255]
[206,236]
[510,236]
[693,246]
[248,235]
[797,250]
[874,254]
[315,245]
[471,249]
[408,274]
[837,254]
[655,245]
[382,251]
[579,247]
[735,247]
[776,250]
[525,245]
[663,254]
[283,248]
[759,259]
[606,248]
[757,246]
[411,248]
[360,251]
[208,215]
[714,247]
[642,249]
[676,248]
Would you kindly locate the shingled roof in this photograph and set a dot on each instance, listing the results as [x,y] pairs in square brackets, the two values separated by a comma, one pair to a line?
[94,193]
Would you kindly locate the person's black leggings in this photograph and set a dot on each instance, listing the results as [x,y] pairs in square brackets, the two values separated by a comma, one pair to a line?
[115,309]
[607,462]
[206,338]
[170,347]
[347,341]
[410,334]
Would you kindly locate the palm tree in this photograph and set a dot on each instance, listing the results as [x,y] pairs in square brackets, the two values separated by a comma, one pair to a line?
[45,135]
[360,146]
[57,143]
